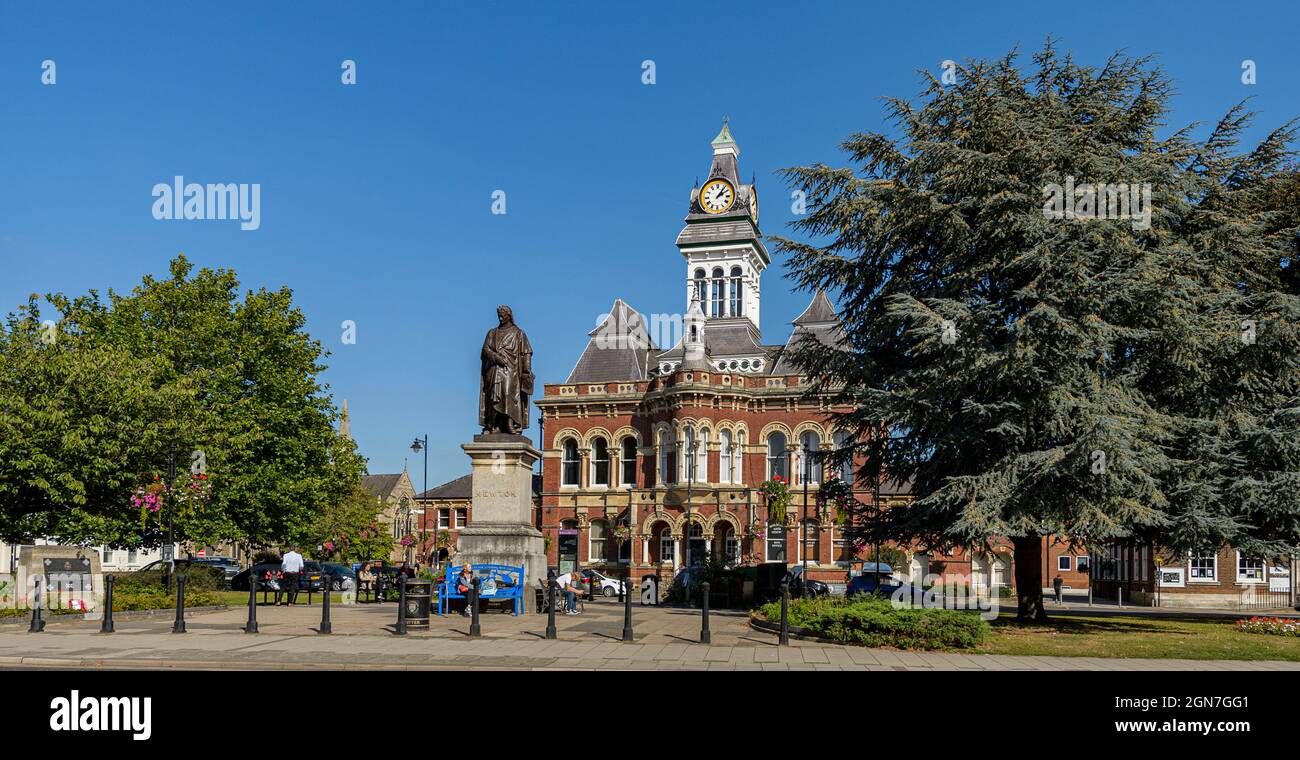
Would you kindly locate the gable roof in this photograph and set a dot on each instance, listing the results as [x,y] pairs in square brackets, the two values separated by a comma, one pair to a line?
[818,323]
[617,349]
[460,488]
[381,485]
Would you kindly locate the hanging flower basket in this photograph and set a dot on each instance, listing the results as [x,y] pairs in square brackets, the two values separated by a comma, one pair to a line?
[149,499]
[838,495]
[622,533]
[778,496]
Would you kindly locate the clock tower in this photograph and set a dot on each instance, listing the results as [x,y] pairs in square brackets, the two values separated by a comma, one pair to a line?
[721,242]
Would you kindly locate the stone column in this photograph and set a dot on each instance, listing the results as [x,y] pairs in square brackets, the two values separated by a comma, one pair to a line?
[502,531]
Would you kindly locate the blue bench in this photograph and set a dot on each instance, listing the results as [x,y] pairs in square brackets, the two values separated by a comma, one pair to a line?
[496,582]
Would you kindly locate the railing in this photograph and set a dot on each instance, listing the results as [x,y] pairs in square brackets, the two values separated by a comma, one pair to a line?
[1259,600]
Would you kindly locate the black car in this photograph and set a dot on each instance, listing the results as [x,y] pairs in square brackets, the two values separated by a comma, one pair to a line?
[339,573]
[227,564]
[312,577]
[815,588]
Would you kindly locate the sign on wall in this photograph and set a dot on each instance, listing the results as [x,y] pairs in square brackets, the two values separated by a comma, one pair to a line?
[1172,577]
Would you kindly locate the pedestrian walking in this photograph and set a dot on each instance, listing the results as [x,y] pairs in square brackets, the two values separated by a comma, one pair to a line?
[1056,586]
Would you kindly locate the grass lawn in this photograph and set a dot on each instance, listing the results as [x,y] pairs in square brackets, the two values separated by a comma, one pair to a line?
[240,598]
[1078,636]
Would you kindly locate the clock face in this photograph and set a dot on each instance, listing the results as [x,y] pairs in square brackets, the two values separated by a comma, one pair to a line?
[716,196]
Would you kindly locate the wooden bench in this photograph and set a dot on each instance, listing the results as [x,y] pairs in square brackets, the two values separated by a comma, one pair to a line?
[496,583]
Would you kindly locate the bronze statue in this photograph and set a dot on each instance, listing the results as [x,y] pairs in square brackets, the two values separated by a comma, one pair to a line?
[507,377]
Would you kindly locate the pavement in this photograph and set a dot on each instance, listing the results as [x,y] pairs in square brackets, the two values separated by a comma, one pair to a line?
[666,638]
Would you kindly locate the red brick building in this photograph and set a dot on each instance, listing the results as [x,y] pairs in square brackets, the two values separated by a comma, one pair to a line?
[645,428]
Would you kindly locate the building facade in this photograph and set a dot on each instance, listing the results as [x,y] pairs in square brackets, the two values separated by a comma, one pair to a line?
[654,456]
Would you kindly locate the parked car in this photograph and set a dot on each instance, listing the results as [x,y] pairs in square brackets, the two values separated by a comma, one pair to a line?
[227,564]
[594,579]
[815,588]
[311,579]
[339,573]
[186,567]
[865,581]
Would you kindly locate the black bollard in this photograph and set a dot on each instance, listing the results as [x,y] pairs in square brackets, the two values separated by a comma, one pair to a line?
[474,630]
[550,608]
[704,614]
[179,625]
[627,611]
[251,625]
[784,640]
[325,626]
[38,622]
[107,625]
[401,607]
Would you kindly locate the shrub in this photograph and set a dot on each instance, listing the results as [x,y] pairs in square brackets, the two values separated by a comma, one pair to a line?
[875,622]
[197,578]
[1271,626]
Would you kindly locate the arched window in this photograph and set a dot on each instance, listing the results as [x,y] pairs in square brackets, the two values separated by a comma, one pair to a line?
[701,288]
[730,545]
[737,303]
[667,460]
[570,463]
[599,462]
[689,470]
[738,471]
[811,542]
[598,541]
[629,461]
[666,545]
[776,456]
[719,285]
[702,457]
[810,465]
[843,442]
[724,456]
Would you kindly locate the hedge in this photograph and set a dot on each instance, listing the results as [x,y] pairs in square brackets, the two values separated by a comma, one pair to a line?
[874,622]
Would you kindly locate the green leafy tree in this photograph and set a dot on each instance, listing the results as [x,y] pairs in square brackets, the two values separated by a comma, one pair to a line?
[182,365]
[1037,376]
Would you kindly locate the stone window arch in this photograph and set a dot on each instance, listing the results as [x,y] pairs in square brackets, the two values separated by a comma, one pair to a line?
[570,463]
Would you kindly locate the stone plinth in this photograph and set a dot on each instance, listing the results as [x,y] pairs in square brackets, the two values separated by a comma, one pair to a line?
[501,531]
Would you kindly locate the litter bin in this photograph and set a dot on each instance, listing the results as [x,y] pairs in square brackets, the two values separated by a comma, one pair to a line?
[419,593]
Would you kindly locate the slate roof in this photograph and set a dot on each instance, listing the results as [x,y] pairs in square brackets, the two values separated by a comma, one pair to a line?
[818,322]
[619,348]
[381,485]
[724,337]
[460,488]
[463,488]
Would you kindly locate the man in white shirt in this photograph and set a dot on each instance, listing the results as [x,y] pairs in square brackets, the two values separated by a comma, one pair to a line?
[291,566]
[570,584]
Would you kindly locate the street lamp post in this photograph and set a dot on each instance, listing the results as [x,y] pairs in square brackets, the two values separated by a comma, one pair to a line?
[690,483]
[417,446]
[807,471]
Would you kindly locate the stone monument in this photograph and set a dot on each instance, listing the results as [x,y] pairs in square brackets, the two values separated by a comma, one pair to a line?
[502,459]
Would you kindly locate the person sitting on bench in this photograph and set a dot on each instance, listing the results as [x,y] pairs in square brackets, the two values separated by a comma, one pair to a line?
[570,584]
[464,583]
[366,579]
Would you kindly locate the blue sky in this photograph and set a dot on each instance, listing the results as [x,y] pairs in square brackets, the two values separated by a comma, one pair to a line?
[376,198]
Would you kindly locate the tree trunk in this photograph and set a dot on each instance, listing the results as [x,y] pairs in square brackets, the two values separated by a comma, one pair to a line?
[1029,579]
